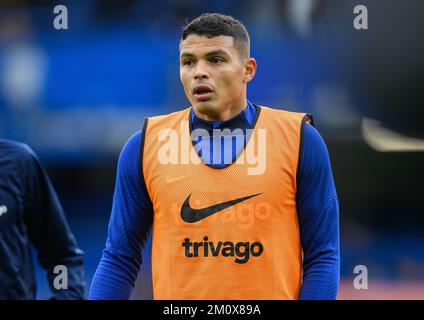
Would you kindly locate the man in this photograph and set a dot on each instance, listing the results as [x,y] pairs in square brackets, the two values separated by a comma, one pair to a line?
[220,230]
[30,213]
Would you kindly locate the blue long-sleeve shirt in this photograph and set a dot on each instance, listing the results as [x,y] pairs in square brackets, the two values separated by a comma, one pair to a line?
[31,213]
[132,215]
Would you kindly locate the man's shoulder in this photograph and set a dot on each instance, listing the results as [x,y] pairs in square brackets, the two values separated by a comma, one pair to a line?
[281,110]
[15,149]
[283,113]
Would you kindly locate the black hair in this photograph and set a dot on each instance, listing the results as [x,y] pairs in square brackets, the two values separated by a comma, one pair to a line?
[216,24]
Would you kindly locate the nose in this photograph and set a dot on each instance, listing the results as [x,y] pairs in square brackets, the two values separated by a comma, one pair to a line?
[201,71]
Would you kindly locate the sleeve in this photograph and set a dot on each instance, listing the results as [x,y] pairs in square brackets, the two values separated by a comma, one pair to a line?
[318,211]
[129,227]
[50,233]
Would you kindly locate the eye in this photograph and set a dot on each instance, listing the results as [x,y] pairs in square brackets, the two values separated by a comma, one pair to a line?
[216,60]
[187,62]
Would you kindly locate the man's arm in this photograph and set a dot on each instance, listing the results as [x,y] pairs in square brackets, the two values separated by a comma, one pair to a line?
[49,231]
[318,211]
[129,227]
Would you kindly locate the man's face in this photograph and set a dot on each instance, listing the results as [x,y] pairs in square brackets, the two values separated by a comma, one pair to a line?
[213,74]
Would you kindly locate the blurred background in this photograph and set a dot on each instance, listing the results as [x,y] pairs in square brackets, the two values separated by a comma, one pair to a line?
[76,95]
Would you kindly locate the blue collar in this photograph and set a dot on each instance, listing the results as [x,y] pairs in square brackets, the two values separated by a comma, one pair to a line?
[244,120]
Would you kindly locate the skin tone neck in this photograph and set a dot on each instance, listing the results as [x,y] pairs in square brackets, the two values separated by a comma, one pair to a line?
[214,74]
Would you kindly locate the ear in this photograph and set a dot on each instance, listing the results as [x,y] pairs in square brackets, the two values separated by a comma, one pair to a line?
[249,69]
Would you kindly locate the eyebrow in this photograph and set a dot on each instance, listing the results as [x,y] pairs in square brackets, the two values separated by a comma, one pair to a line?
[208,54]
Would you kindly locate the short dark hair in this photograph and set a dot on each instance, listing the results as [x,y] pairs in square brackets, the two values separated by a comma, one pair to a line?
[216,24]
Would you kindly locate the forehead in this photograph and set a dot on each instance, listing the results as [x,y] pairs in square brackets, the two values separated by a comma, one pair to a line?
[196,44]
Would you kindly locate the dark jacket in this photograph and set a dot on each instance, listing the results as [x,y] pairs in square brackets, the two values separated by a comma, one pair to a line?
[31,213]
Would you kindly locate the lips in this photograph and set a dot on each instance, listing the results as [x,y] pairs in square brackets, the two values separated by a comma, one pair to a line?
[202,92]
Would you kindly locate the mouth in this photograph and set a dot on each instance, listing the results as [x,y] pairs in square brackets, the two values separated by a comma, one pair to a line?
[202,92]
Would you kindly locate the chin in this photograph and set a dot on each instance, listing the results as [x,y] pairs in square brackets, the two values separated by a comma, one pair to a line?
[206,107]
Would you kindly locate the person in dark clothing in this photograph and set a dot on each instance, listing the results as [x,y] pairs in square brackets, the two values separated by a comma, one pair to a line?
[31,213]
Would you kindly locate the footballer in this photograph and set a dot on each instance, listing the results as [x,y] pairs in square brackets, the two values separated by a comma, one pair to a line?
[185,176]
[31,214]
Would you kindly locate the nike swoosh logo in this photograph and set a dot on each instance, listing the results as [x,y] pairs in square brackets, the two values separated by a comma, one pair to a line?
[172,180]
[190,215]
